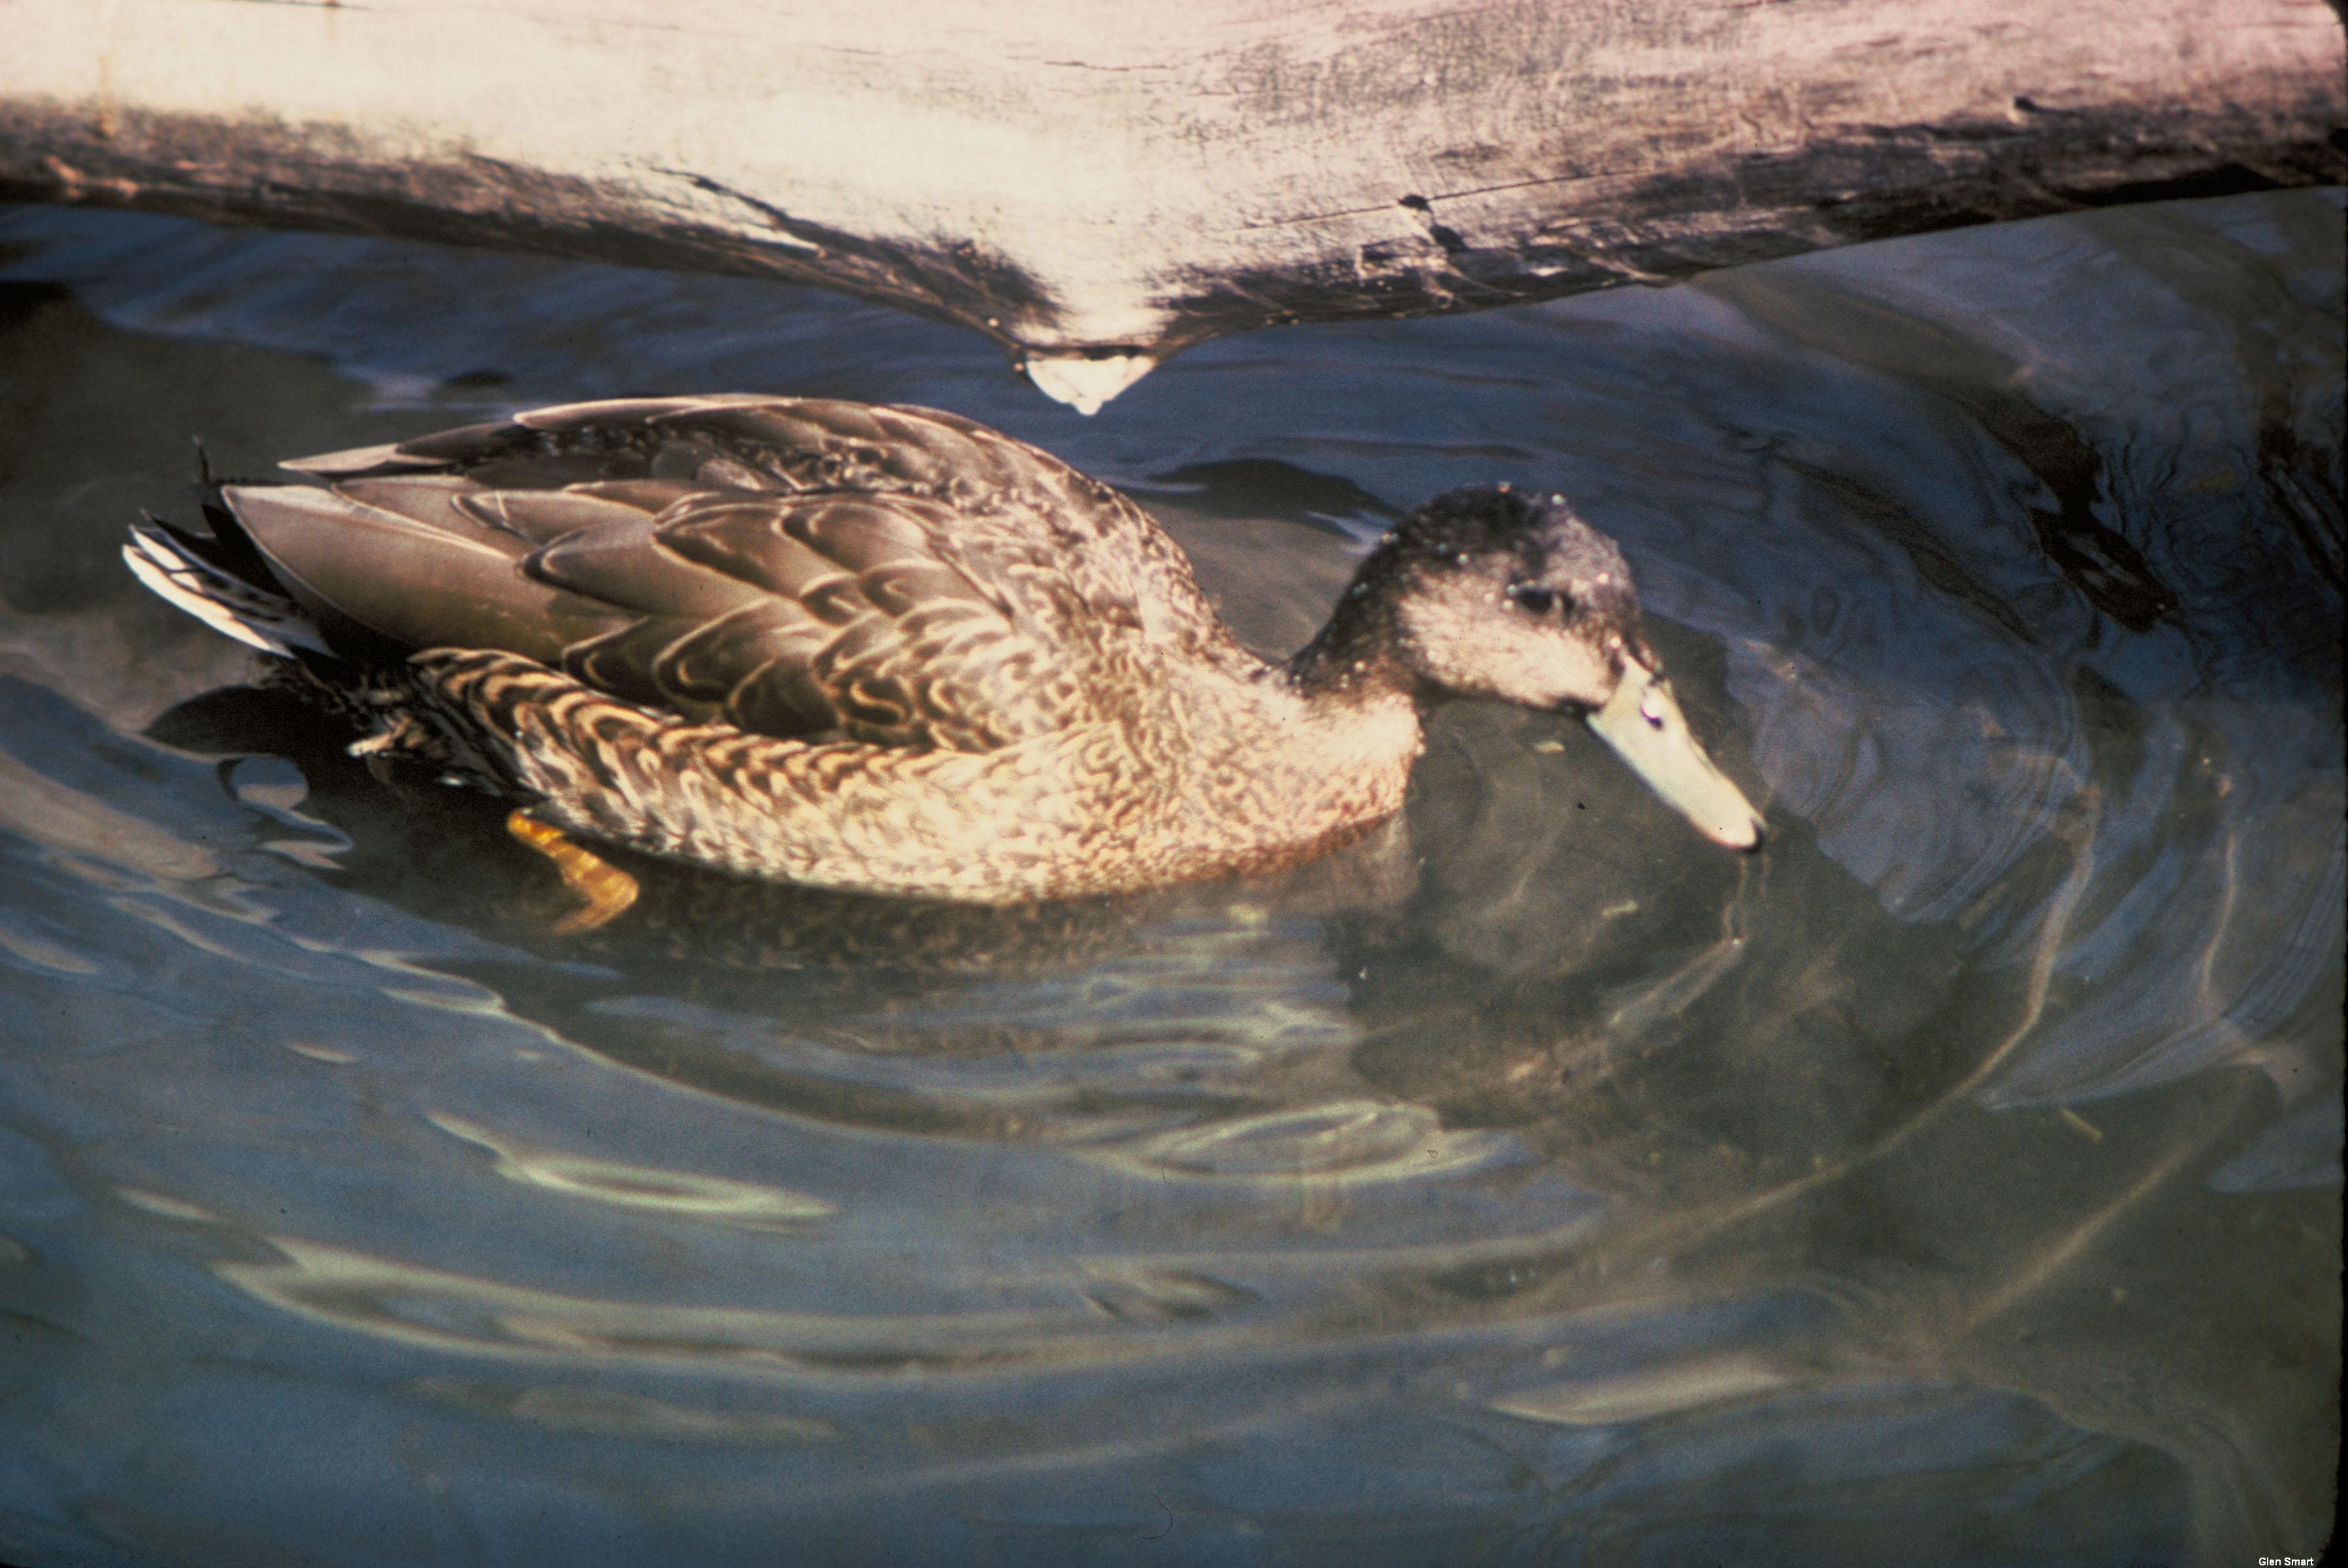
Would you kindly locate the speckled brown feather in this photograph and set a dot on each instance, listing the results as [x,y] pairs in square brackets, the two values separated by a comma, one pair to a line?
[1065,814]
[882,649]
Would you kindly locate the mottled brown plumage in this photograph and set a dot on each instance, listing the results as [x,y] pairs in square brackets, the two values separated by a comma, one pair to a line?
[874,648]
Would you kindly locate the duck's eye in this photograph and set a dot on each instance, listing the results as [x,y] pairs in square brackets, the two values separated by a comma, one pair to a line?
[1532,598]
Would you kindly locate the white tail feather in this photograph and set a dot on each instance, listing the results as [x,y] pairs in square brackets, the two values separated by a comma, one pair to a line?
[226,603]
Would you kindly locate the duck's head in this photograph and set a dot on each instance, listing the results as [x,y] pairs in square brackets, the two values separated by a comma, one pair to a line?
[1498,593]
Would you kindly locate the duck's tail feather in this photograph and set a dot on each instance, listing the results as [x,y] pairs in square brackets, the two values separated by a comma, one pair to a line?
[178,567]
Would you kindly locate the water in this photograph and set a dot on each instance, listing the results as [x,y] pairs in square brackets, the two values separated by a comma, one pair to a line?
[1957,1182]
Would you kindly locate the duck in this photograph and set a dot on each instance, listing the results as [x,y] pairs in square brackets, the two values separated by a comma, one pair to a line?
[887,650]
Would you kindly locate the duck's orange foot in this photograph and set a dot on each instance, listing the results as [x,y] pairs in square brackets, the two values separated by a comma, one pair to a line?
[604,891]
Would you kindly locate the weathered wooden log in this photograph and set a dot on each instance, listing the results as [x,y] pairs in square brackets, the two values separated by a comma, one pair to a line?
[1096,184]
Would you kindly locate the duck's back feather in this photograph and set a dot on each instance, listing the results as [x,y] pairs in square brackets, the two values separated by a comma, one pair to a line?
[797,568]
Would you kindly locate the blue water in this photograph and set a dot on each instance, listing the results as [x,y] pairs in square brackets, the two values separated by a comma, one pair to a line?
[1956,1182]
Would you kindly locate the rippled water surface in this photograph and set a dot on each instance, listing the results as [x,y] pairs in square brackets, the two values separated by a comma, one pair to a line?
[1956,1182]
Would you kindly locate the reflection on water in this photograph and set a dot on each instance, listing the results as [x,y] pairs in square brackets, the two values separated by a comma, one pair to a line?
[1956,1182]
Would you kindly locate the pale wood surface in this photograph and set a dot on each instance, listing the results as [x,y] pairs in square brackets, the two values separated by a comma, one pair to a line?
[1096,183]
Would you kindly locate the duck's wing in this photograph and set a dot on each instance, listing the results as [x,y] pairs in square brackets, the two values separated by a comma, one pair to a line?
[1019,510]
[796,567]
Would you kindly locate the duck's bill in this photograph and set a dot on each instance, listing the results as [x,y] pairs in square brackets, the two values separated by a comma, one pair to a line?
[1645,727]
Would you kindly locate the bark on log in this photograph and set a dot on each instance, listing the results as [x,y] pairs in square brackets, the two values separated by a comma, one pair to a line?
[1096,184]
